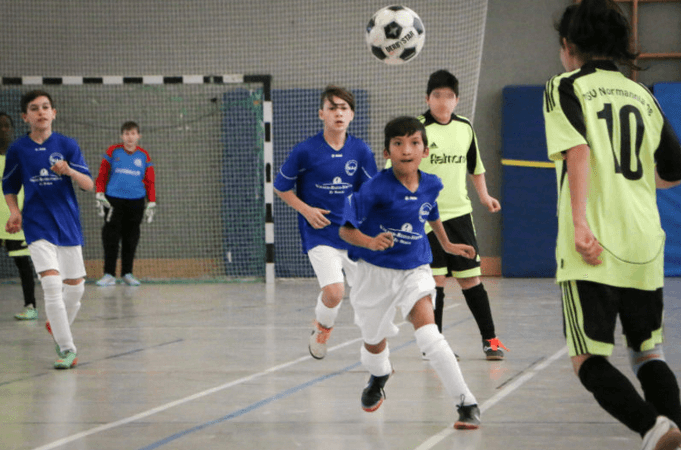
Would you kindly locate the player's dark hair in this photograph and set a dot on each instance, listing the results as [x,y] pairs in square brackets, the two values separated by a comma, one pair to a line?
[339,92]
[130,125]
[4,114]
[32,95]
[404,126]
[598,28]
[442,79]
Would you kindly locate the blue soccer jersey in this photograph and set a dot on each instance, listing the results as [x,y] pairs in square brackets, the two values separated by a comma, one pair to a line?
[50,206]
[323,178]
[385,204]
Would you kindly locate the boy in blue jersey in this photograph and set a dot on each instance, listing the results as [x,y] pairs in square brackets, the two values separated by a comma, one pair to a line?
[46,164]
[325,169]
[385,224]
[126,194]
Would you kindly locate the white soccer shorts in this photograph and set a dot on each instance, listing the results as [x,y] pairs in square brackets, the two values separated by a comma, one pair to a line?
[378,293]
[67,260]
[329,263]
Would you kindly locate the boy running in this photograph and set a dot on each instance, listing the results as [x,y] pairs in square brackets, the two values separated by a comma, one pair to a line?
[384,221]
[325,169]
[46,164]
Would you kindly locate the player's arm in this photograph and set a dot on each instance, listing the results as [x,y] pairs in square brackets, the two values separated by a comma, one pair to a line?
[464,250]
[13,224]
[578,170]
[82,180]
[664,184]
[491,203]
[355,237]
[103,176]
[314,216]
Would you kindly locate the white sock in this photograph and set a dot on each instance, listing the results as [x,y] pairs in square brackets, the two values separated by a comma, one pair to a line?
[72,295]
[56,312]
[442,359]
[377,365]
[326,316]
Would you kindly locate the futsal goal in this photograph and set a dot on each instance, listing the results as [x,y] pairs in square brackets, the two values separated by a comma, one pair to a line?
[209,138]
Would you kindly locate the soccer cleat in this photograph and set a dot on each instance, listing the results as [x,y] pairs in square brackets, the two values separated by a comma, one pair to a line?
[373,394]
[29,313]
[56,346]
[318,338]
[492,350]
[664,435]
[67,361]
[469,417]
[106,280]
[130,280]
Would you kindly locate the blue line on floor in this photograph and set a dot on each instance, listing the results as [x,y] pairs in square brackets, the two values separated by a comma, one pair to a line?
[261,403]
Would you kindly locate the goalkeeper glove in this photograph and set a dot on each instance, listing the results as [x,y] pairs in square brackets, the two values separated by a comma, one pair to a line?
[149,211]
[102,203]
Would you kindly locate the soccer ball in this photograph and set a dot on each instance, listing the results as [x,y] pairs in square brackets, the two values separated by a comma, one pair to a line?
[395,34]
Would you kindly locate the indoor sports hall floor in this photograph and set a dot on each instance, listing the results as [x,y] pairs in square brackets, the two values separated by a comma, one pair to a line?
[226,366]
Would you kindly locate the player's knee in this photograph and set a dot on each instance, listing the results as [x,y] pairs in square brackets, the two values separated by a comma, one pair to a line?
[333,294]
[638,358]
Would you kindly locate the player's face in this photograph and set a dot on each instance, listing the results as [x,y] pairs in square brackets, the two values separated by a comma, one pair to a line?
[336,114]
[130,138]
[441,102]
[406,153]
[40,114]
[6,132]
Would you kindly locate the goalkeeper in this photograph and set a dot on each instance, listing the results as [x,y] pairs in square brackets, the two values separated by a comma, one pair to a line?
[126,194]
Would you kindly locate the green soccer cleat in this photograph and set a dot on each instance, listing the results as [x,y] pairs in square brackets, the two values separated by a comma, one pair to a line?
[29,313]
[67,361]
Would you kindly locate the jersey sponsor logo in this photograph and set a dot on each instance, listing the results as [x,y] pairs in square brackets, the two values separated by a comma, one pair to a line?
[55,158]
[351,167]
[337,186]
[336,155]
[424,212]
[433,146]
[404,235]
[447,159]
[410,197]
[136,173]
[40,149]
[45,178]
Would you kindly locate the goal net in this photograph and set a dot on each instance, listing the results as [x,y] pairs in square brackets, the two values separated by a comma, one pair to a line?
[206,139]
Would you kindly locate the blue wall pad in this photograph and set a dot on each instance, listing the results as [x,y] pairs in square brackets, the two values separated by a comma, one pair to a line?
[529,223]
[669,200]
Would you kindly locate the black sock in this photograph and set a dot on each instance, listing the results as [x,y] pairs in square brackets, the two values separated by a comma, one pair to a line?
[661,388]
[439,306]
[478,302]
[23,263]
[615,393]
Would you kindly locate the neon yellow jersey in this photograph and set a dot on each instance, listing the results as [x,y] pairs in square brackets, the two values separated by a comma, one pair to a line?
[4,210]
[453,154]
[628,135]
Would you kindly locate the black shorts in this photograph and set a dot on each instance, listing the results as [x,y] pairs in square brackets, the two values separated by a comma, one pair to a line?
[15,248]
[460,230]
[590,312]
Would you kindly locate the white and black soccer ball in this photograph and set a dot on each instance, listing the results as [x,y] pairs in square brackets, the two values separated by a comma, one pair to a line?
[395,34]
